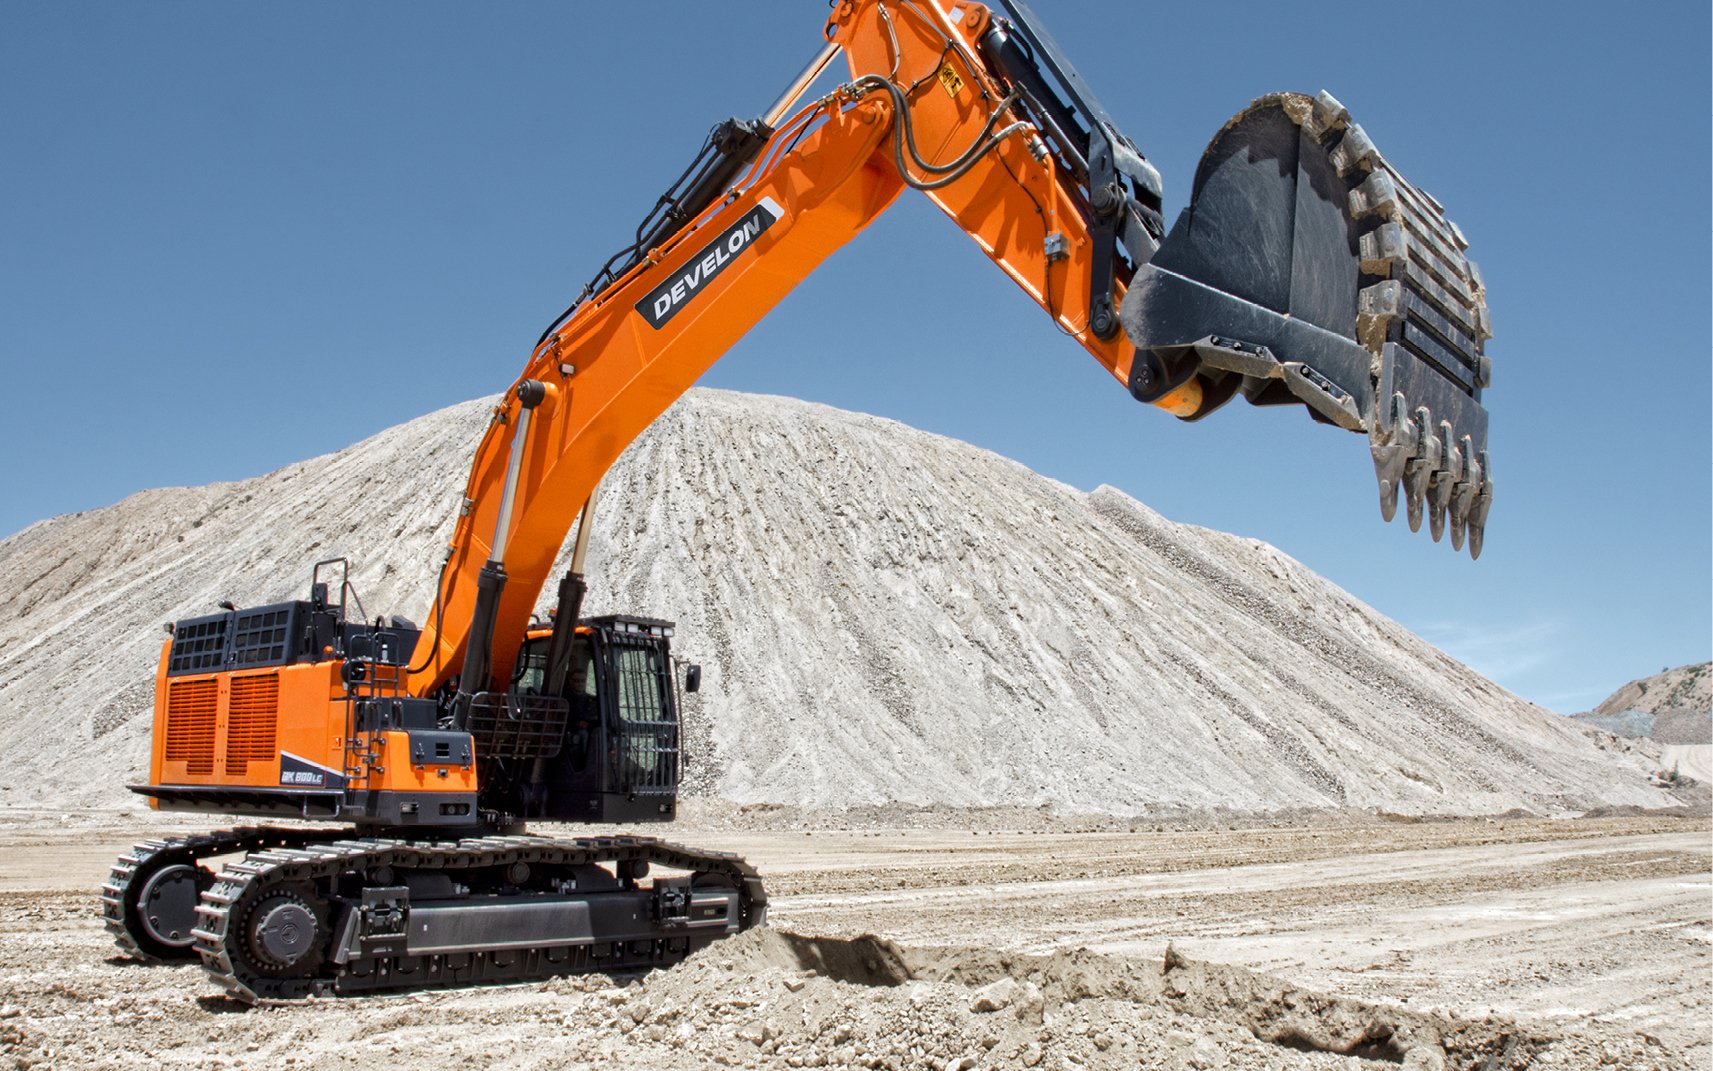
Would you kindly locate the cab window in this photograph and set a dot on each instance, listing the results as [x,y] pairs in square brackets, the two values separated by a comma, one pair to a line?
[531,673]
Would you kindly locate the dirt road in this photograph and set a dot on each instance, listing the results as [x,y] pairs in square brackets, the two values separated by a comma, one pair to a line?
[1503,943]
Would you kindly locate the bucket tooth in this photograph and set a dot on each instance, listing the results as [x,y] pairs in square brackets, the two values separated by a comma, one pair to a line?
[1442,482]
[1389,462]
[1478,509]
[1389,488]
[1426,449]
[1394,444]
[1463,495]
[1439,494]
[1415,493]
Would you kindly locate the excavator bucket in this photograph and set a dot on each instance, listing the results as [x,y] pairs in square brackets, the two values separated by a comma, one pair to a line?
[1307,270]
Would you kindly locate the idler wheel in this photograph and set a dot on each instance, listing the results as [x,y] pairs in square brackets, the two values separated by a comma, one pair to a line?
[166,905]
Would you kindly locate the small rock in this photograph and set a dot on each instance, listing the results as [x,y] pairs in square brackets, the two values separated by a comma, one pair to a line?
[1204,1055]
[993,997]
[1424,1058]
[1030,1007]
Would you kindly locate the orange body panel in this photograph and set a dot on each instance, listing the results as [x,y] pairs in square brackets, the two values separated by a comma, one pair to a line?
[395,769]
[229,728]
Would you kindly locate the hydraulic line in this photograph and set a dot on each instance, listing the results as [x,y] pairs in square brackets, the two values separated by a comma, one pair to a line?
[904,137]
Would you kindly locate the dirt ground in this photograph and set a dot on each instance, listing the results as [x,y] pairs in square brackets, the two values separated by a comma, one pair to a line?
[1493,943]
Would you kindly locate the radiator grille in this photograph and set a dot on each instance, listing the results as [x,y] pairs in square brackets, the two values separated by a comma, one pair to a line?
[190,724]
[264,636]
[251,714]
[198,645]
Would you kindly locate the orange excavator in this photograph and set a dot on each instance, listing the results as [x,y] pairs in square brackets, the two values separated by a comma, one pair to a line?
[1305,271]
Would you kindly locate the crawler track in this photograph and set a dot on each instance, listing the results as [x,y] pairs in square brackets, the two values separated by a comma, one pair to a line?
[356,916]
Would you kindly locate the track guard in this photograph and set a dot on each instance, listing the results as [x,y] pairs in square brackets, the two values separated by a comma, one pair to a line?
[1307,270]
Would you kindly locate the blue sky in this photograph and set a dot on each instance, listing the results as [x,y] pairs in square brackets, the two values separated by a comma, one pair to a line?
[237,235]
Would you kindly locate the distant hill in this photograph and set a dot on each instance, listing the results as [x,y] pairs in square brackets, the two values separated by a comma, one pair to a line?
[1674,706]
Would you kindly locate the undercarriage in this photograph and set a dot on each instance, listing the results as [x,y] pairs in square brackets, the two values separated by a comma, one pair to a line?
[306,912]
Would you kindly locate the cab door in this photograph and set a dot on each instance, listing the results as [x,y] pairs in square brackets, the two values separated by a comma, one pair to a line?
[643,717]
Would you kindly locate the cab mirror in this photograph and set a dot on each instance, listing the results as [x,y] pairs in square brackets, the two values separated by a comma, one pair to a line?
[693,679]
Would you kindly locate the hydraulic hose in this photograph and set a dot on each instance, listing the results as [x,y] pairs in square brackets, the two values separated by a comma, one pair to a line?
[904,137]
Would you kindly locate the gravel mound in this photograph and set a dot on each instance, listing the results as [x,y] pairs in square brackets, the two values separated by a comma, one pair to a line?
[885,616]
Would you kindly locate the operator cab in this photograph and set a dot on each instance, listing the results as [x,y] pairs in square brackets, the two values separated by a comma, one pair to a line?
[606,747]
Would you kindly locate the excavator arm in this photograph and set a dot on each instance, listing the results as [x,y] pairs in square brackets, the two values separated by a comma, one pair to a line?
[1306,271]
